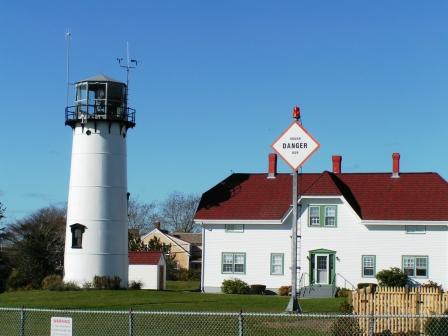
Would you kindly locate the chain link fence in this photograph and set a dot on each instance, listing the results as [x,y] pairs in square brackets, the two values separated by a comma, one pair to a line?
[37,322]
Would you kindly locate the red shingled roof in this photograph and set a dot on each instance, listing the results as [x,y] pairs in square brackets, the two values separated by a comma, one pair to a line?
[374,196]
[412,196]
[144,258]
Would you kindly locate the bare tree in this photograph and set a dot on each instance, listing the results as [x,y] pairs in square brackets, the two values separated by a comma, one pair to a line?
[2,229]
[178,211]
[2,211]
[141,216]
[5,268]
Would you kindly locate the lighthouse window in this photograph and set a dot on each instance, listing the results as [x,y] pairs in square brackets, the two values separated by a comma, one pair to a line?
[77,233]
[81,93]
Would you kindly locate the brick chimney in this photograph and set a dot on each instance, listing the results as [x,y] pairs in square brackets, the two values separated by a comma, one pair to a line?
[396,165]
[157,225]
[337,163]
[272,172]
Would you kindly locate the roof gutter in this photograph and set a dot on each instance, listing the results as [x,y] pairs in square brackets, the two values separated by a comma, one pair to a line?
[402,222]
[238,221]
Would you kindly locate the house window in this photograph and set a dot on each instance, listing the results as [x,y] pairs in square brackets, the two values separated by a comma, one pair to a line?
[77,233]
[277,262]
[234,227]
[415,266]
[314,216]
[330,215]
[234,263]
[368,266]
[415,228]
[322,215]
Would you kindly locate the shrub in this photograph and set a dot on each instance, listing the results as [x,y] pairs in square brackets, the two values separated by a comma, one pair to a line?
[5,271]
[106,282]
[87,285]
[234,286]
[346,307]
[393,277]
[343,292]
[51,281]
[346,326]
[183,274]
[99,282]
[432,284]
[15,281]
[187,275]
[372,286]
[257,289]
[362,285]
[284,290]
[135,285]
[64,286]
[56,286]
[28,287]
[71,286]
[387,332]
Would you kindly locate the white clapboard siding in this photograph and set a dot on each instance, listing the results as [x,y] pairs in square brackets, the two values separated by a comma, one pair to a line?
[350,239]
[258,242]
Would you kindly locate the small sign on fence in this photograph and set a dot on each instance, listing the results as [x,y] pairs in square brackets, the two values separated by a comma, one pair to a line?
[61,326]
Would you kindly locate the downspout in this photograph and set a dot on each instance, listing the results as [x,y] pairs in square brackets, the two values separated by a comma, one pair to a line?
[203,258]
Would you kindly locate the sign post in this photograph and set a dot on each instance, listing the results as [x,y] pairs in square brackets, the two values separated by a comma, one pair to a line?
[295,145]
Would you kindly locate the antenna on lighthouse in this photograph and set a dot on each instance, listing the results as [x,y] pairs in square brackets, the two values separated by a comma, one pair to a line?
[128,65]
[68,38]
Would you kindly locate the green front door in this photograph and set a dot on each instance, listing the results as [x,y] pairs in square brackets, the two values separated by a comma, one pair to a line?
[322,268]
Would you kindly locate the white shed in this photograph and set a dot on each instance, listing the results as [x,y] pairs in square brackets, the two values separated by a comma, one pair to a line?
[149,268]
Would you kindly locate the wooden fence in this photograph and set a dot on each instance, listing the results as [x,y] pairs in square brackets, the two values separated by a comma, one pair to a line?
[398,301]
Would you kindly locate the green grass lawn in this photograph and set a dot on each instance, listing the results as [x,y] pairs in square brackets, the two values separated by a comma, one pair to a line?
[183,286]
[178,297]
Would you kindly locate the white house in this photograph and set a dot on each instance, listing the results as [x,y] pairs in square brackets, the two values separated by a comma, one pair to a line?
[149,268]
[350,226]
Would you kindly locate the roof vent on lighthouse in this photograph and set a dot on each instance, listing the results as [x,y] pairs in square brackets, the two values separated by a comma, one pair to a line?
[396,165]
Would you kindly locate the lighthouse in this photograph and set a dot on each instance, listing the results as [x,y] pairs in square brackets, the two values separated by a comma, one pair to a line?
[96,241]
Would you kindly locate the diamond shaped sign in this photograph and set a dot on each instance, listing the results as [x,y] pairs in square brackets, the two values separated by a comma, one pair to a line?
[295,145]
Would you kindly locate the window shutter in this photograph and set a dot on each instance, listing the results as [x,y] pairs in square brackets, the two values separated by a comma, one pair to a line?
[311,268]
[332,268]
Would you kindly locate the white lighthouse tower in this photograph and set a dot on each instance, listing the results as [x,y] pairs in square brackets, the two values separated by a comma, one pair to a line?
[96,241]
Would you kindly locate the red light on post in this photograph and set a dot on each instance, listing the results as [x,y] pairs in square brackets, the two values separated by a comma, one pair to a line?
[296,113]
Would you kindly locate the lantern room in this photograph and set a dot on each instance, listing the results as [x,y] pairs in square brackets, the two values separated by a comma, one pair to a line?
[100,98]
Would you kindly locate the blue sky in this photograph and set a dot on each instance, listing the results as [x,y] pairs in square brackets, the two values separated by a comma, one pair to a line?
[215,86]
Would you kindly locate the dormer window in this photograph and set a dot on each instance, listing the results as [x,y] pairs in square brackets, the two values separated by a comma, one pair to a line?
[77,233]
[322,215]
